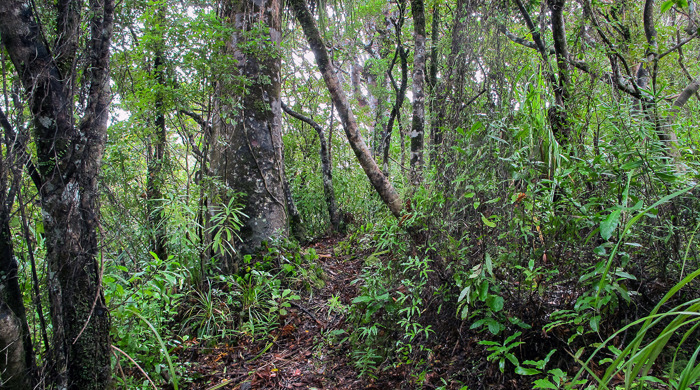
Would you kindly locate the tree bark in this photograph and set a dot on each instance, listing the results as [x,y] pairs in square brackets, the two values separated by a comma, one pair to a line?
[69,157]
[418,123]
[379,181]
[447,91]
[395,113]
[558,114]
[14,373]
[247,141]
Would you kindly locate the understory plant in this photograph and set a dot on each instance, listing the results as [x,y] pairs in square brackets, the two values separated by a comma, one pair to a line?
[673,332]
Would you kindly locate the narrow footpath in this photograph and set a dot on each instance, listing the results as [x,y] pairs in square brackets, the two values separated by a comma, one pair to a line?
[303,352]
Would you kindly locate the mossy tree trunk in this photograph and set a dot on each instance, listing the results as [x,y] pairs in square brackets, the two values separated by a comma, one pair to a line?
[69,153]
[246,145]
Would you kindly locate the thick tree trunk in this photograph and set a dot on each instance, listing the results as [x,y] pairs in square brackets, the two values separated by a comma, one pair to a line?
[326,170]
[418,126]
[69,156]
[247,141]
[157,146]
[379,181]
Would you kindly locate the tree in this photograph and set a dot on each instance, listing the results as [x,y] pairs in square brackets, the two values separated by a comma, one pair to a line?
[69,153]
[246,144]
[379,181]
[158,139]
[326,169]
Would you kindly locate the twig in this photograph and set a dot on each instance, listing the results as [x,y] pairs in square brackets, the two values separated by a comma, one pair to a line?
[678,45]
[309,314]
[137,366]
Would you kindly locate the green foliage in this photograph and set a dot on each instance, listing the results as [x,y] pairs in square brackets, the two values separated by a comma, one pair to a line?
[636,359]
[143,304]
[502,352]
[225,224]
[211,313]
[478,286]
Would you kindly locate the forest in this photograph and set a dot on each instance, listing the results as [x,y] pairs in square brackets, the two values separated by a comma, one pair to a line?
[358,194]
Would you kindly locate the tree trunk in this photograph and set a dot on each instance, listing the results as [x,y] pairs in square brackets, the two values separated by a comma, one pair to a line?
[432,79]
[379,181]
[69,157]
[418,124]
[18,359]
[448,91]
[247,140]
[14,373]
[400,91]
[296,225]
[558,113]
[157,145]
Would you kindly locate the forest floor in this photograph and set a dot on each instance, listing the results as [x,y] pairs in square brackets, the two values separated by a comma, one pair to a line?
[300,354]
[307,350]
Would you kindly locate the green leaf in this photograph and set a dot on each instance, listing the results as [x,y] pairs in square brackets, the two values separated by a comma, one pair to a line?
[464,293]
[632,165]
[489,264]
[478,323]
[494,326]
[487,222]
[543,384]
[465,312]
[495,302]
[599,250]
[608,226]
[384,297]
[362,298]
[483,290]
[594,322]
[666,5]
[520,370]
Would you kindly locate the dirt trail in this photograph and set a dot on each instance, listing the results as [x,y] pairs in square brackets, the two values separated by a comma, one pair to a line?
[301,353]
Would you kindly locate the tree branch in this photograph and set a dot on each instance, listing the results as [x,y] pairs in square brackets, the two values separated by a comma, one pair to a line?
[533,30]
[521,41]
[678,45]
[302,118]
